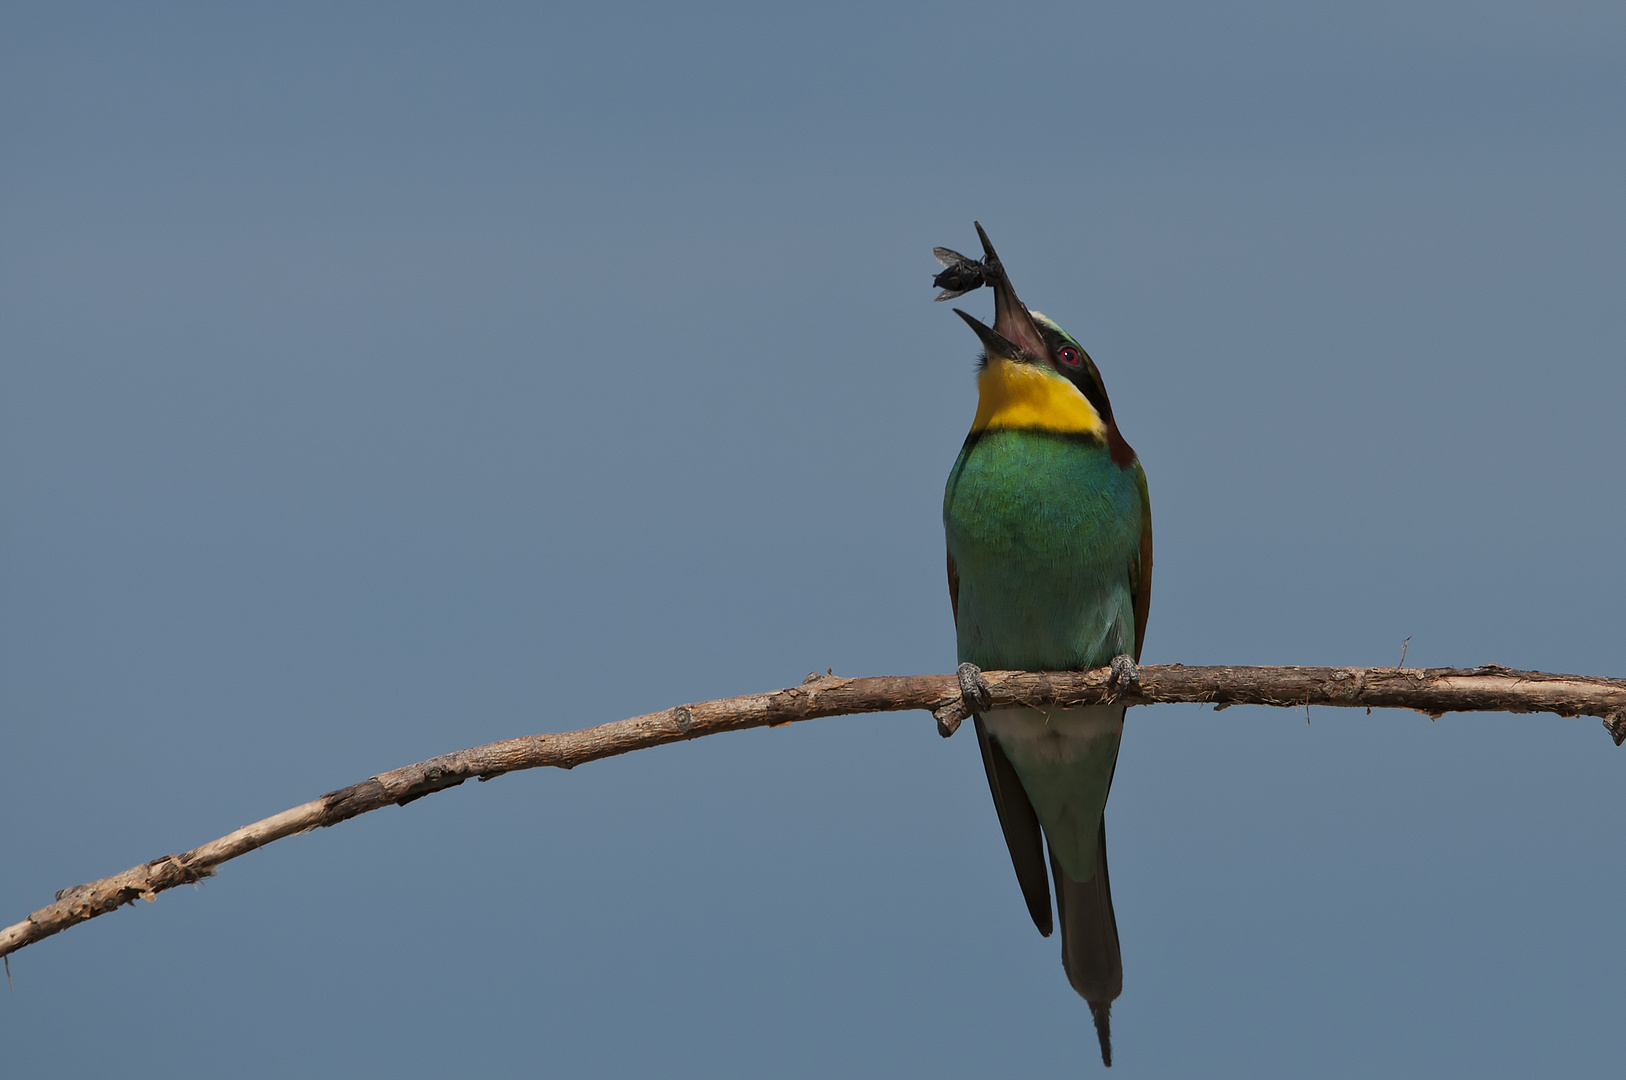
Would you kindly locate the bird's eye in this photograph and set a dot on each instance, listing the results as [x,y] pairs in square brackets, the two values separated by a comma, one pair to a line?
[1068,355]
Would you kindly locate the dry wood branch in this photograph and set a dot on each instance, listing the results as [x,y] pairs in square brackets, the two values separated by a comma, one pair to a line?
[1430,690]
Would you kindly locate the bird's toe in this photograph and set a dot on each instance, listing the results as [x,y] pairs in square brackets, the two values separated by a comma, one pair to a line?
[974,689]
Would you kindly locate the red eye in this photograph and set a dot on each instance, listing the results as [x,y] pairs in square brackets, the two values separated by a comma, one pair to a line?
[1068,355]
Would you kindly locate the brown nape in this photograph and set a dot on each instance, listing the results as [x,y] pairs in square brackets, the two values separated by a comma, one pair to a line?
[1123,455]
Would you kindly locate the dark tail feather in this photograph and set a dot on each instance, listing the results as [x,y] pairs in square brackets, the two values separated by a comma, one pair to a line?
[1021,826]
[1089,941]
[1102,1012]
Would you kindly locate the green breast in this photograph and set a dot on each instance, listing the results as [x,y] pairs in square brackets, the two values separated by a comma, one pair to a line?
[1043,529]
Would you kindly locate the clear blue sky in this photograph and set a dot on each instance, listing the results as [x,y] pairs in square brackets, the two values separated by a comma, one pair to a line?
[381,380]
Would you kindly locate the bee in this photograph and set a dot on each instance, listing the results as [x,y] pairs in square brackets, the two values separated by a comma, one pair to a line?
[962,273]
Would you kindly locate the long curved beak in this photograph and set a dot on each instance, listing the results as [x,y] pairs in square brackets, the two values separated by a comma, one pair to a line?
[1014,335]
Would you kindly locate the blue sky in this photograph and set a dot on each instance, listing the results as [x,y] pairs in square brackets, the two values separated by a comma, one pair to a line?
[381,380]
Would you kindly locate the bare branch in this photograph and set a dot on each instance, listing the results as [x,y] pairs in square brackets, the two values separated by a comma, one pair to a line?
[1434,691]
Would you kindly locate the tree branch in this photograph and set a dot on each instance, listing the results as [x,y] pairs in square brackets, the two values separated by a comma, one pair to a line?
[1434,691]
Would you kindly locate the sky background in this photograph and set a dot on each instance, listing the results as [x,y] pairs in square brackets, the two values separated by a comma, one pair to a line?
[381,380]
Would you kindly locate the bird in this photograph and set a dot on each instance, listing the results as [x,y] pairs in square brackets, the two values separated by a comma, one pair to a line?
[1049,534]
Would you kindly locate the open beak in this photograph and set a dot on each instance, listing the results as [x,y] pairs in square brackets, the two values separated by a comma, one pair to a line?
[1014,335]
[996,343]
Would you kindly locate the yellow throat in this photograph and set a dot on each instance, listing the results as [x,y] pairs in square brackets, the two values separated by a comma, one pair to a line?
[1031,397]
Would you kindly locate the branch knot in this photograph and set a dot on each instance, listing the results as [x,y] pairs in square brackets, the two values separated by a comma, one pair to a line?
[1615,724]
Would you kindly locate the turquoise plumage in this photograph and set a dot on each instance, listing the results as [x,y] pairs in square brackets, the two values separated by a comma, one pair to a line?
[1048,530]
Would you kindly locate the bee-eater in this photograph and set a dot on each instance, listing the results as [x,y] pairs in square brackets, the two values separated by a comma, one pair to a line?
[1050,566]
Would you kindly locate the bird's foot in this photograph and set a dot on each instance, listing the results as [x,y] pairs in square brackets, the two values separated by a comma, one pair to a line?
[1125,673]
[974,689]
[974,698]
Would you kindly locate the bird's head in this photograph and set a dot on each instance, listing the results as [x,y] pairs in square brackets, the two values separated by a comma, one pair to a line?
[1034,374]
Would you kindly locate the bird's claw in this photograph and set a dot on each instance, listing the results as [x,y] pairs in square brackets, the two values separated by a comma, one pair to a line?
[1125,673]
[974,689]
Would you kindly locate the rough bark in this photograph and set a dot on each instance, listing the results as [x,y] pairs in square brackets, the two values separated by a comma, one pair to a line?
[1434,691]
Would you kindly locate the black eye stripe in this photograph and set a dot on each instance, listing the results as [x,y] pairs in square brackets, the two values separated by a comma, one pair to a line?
[1079,371]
